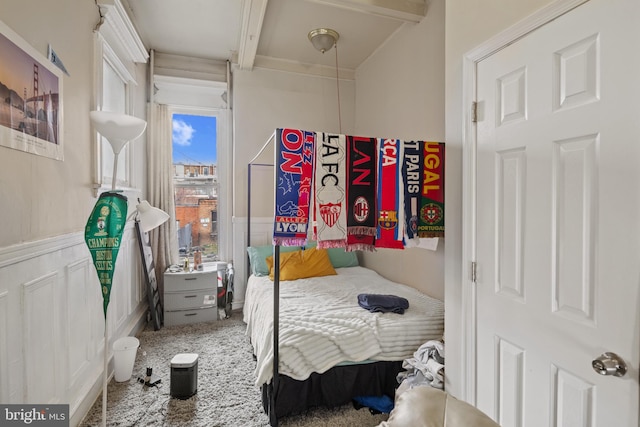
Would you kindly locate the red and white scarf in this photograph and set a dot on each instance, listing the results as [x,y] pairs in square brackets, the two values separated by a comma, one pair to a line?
[330,210]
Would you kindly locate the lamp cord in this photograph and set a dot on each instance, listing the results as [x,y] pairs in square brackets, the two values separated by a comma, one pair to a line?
[338,87]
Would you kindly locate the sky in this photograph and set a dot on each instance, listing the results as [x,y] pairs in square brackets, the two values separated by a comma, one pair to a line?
[194,139]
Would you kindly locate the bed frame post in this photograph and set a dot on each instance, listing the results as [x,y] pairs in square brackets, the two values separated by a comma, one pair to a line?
[248,267]
[271,389]
[273,417]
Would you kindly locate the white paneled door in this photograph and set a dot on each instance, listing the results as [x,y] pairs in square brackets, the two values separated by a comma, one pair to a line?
[558,223]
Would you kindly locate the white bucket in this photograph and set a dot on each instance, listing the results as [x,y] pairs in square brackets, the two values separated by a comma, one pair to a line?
[124,356]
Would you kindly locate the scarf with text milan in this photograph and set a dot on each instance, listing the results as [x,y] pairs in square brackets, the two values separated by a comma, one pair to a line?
[102,234]
[330,213]
[294,174]
[361,193]
[390,195]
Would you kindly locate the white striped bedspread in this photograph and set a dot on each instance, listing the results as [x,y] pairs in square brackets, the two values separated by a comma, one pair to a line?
[322,325]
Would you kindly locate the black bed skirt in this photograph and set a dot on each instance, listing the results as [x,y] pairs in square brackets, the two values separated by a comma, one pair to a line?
[336,387]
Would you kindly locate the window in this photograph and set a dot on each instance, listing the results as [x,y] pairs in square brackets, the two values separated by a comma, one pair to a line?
[203,100]
[196,184]
[117,50]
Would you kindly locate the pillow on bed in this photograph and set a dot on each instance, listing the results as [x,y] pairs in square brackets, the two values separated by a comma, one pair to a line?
[302,264]
[338,256]
[258,254]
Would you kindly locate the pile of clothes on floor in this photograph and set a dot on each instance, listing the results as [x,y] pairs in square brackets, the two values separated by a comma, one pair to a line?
[426,367]
[420,399]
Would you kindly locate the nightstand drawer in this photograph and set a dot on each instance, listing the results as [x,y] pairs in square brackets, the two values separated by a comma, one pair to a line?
[189,299]
[177,282]
[183,317]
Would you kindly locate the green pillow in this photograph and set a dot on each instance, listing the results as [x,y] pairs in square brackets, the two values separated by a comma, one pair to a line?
[338,256]
[258,255]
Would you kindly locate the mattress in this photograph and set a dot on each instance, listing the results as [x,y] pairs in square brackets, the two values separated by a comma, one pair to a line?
[322,325]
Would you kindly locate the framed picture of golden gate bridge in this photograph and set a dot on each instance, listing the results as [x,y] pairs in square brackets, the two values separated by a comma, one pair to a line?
[30,98]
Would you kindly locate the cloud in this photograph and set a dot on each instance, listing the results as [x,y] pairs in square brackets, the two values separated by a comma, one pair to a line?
[182,133]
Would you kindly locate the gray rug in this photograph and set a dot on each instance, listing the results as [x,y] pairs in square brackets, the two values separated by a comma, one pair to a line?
[226,395]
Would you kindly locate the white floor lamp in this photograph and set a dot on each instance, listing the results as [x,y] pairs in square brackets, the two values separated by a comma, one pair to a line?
[118,129]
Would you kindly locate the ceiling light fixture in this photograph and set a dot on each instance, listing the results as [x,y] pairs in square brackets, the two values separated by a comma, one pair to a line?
[323,39]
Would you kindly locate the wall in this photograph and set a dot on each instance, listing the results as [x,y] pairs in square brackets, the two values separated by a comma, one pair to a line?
[400,94]
[264,100]
[463,34]
[412,88]
[50,198]
[51,321]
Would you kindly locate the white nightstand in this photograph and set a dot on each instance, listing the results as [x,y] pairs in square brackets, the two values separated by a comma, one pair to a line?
[190,297]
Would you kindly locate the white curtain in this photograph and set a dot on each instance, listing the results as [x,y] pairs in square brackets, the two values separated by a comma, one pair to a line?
[164,239]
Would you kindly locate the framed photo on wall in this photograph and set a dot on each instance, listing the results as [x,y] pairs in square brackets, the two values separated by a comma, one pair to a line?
[30,98]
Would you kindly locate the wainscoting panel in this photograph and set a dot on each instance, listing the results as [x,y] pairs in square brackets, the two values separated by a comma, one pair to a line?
[125,295]
[52,321]
[261,234]
[4,346]
[78,330]
[40,335]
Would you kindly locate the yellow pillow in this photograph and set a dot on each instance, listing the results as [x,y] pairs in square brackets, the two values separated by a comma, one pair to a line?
[302,264]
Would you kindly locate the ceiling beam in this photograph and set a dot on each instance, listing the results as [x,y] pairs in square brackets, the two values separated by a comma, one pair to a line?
[253,12]
[302,68]
[403,10]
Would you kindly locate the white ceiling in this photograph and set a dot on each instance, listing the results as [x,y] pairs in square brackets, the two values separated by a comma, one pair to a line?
[270,33]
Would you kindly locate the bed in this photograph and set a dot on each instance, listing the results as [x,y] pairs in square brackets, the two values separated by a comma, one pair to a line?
[314,345]
[331,349]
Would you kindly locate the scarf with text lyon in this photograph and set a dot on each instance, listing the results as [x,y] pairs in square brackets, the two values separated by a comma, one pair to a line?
[294,174]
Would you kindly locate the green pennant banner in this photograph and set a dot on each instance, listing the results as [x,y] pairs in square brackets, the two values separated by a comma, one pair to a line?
[102,234]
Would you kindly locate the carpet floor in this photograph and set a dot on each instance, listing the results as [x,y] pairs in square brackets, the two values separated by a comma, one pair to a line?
[226,395]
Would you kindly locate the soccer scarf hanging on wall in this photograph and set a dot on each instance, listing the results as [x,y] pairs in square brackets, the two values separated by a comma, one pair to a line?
[102,234]
[361,193]
[390,195]
[294,174]
[431,207]
[412,174]
[330,210]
